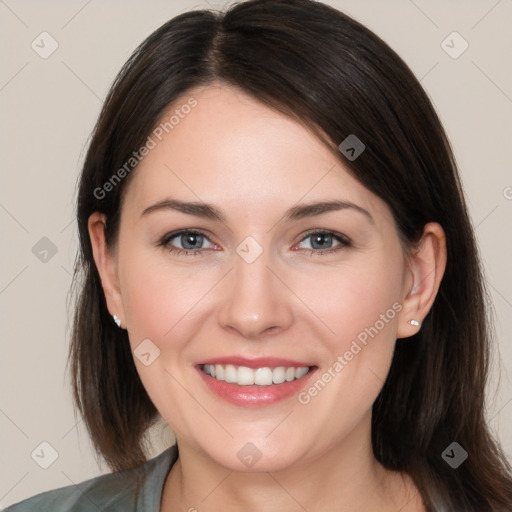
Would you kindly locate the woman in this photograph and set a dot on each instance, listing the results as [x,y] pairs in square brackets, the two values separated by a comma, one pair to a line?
[276,258]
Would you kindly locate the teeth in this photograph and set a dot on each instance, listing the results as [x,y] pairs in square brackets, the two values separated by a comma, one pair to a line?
[279,375]
[301,372]
[230,374]
[244,376]
[263,376]
[290,374]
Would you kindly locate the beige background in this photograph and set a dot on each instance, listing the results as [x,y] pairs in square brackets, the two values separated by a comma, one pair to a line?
[48,109]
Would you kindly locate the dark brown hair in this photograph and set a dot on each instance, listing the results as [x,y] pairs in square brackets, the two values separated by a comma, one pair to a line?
[314,63]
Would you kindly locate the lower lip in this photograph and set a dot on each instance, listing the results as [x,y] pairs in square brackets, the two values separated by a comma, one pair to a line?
[254,396]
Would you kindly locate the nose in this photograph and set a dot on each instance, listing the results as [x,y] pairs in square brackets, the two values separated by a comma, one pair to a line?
[256,302]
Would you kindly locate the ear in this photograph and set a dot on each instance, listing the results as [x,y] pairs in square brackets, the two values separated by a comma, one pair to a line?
[425,269]
[106,263]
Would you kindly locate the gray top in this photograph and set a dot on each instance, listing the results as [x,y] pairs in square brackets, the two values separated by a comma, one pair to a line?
[113,492]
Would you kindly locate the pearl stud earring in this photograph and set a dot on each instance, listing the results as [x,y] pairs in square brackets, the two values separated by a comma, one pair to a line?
[414,322]
[117,321]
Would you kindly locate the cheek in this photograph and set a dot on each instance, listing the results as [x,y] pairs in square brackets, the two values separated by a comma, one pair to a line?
[158,299]
[359,301]
[159,303]
[360,304]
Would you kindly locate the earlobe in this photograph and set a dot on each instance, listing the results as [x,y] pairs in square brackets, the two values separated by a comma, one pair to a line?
[106,264]
[426,266]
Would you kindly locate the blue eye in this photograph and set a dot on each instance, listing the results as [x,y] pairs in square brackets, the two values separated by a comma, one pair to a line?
[321,239]
[192,241]
[188,238]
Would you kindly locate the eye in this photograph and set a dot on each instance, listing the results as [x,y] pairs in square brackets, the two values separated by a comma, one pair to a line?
[191,242]
[321,242]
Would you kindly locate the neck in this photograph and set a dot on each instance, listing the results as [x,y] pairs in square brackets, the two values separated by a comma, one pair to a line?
[347,475]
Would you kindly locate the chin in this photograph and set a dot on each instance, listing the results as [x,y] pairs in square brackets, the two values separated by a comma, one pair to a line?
[256,457]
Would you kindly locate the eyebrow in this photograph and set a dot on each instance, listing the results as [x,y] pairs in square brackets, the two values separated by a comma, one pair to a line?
[209,211]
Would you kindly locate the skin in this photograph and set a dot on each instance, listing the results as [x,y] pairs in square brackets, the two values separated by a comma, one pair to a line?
[253,164]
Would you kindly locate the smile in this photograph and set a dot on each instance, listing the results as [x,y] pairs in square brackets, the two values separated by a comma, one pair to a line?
[244,376]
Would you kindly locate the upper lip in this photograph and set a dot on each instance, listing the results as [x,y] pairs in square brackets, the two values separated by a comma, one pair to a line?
[257,362]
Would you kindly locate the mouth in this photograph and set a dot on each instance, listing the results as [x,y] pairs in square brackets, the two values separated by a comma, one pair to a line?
[263,376]
[255,382]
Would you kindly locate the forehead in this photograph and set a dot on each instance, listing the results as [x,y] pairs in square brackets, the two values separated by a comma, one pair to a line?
[229,149]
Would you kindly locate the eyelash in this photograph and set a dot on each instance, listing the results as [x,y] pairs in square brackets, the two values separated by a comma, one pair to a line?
[165,242]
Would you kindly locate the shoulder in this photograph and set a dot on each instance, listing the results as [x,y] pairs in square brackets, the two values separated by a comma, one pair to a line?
[109,493]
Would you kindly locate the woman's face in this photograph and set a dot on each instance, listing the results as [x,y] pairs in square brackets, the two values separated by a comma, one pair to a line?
[261,291]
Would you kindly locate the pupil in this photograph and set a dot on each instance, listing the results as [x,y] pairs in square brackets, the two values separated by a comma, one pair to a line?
[189,239]
[321,238]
